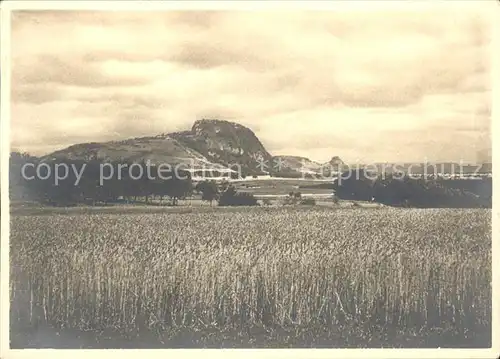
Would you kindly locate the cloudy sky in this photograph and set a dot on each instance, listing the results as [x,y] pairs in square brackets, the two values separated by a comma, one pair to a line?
[368,86]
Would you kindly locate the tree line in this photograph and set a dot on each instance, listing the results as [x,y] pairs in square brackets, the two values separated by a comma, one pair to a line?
[72,182]
[405,191]
[93,181]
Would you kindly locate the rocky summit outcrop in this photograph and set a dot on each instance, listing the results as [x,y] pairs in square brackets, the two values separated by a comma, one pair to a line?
[226,143]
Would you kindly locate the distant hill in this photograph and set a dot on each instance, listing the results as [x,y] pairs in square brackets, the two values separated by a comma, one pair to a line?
[215,144]
[218,144]
[429,168]
[295,164]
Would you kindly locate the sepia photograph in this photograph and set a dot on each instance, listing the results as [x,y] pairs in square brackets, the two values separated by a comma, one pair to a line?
[237,178]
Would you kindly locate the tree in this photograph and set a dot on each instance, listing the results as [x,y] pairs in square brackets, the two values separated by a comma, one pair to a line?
[209,191]
[177,188]
[230,190]
[19,187]
[231,197]
[224,185]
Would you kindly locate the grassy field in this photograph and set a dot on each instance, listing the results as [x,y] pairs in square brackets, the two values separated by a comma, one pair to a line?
[252,277]
[282,187]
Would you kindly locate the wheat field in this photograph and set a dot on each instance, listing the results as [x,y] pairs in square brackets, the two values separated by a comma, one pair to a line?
[256,277]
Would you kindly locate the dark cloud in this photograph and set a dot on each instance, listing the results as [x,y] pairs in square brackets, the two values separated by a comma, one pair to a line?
[35,94]
[207,56]
[196,19]
[48,69]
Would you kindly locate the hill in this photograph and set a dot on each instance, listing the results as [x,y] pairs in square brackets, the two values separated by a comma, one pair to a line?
[225,143]
[209,144]
[159,149]
[231,147]
[294,166]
